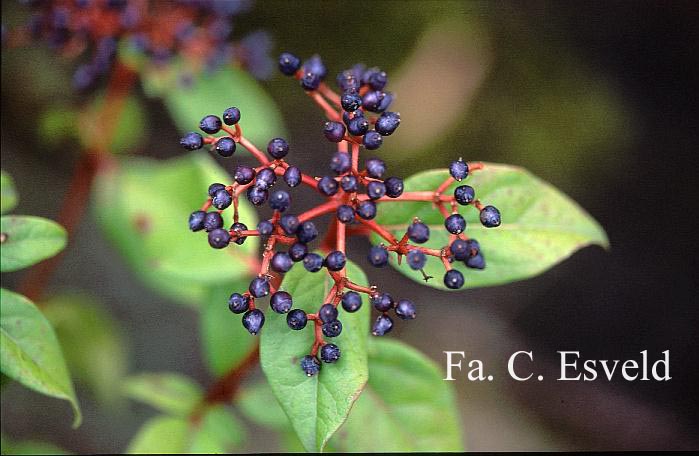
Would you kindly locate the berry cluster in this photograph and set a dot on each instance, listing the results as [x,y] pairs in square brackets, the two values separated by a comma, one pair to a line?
[350,193]
[198,30]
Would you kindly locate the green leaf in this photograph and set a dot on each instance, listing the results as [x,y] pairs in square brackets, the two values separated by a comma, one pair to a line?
[170,393]
[225,341]
[212,93]
[406,405]
[31,447]
[258,404]
[540,225]
[218,431]
[316,405]
[92,342]
[8,193]
[26,240]
[126,134]
[143,207]
[30,351]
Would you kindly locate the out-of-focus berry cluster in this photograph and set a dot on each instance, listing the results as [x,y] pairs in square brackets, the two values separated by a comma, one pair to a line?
[198,30]
[357,118]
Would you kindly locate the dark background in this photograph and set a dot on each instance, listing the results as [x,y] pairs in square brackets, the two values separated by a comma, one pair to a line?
[639,295]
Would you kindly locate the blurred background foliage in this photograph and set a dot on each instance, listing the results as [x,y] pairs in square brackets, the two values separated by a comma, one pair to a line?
[592,98]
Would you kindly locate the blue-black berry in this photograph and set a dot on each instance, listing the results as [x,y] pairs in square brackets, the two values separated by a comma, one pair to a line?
[382,302]
[212,221]
[244,174]
[345,213]
[266,178]
[278,148]
[490,217]
[313,262]
[358,126]
[418,232]
[225,146]
[231,116]
[237,227]
[340,162]
[256,195]
[259,287]
[289,223]
[289,63]
[192,141]
[315,65]
[464,194]
[366,210]
[372,140]
[327,313]
[329,353]
[405,309]
[219,238]
[334,131]
[310,365]
[327,186]
[265,227]
[335,261]
[416,259]
[292,176]
[306,232]
[281,262]
[458,169]
[394,187]
[351,101]
[196,220]
[222,199]
[455,224]
[280,200]
[298,251]
[349,183]
[382,326]
[376,78]
[253,320]
[387,123]
[351,301]
[476,262]
[372,100]
[460,249]
[213,188]
[310,81]
[332,328]
[375,190]
[296,319]
[375,167]
[378,256]
[281,302]
[210,124]
[453,279]
[238,303]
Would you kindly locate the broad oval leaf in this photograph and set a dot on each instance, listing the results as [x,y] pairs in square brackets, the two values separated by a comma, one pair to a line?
[317,405]
[168,392]
[30,352]
[26,240]
[540,227]
[8,193]
[143,207]
[406,405]
[225,341]
[212,93]
[92,342]
[217,431]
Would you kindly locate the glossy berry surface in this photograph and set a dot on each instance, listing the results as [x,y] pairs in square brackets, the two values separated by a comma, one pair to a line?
[281,262]
[453,279]
[259,287]
[455,224]
[458,169]
[327,313]
[231,116]
[212,221]
[416,259]
[476,262]
[349,184]
[490,217]
[351,101]
[296,319]
[405,309]
[394,187]
[281,302]
[358,126]
[464,194]
[375,190]
[351,301]
[215,187]
[310,365]
[307,232]
[340,162]
[225,147]
[210,124]
[289,63]
[332,328]
[313,262]
[382,302]
[278,148]
[378,256]
[238,228]
[387,123]
[265,227]
[375,167]
[329,353]
[418,232]
[244,174]
[196,220]
[289,223]
[219,238]
[372,140]
[382,326]
[280,200]
[298,251]
[266,178]
[334,131]
[292,176]
[335,261]
[328,186]
[253,320]
[222,199]
[192,141]
[366,210]
[257,196]
[460,249]
[345,213]
[238,303]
